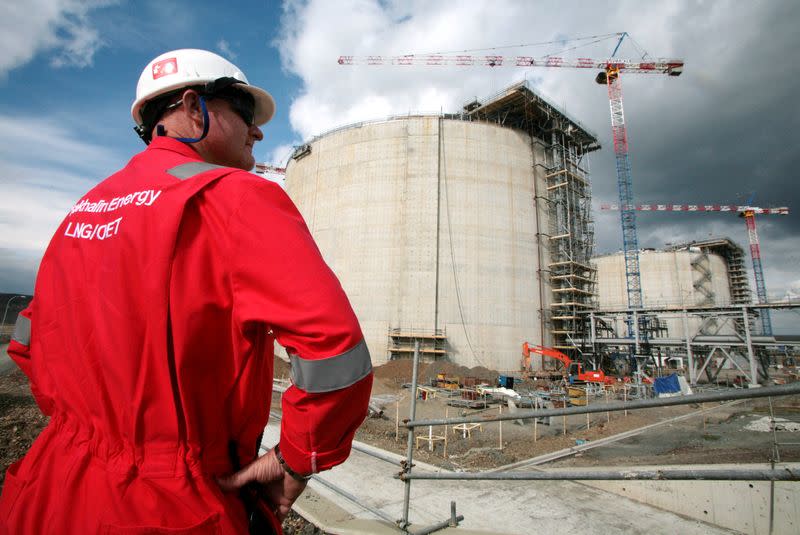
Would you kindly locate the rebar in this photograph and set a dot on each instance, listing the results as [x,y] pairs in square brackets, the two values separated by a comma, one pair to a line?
[782,390]
[632,474]
[441,525]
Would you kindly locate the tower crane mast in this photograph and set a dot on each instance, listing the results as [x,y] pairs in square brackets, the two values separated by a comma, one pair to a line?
[758,273]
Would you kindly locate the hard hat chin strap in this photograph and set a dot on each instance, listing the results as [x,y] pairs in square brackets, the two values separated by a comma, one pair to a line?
[206,124]
[144,132]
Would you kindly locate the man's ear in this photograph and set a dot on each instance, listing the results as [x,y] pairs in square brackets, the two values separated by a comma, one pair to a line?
[191,106]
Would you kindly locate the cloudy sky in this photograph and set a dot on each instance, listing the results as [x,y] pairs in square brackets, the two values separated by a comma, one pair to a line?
[724,132]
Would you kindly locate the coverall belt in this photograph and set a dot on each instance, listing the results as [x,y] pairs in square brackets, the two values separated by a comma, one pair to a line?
[332,373]
[22,331]
[170,460]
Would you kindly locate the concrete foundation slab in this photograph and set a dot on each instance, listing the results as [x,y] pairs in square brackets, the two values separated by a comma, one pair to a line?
[505,507]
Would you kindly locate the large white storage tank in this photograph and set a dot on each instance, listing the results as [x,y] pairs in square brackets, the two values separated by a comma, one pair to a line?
[689,277]
[430,224]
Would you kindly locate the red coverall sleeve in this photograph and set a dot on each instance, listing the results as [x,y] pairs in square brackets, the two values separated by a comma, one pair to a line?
[19,349]
[281,281]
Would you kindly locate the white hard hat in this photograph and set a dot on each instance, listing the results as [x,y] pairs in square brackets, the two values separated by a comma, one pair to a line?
[189,67]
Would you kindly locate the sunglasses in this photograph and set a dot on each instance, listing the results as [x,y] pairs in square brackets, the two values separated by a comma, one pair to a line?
[241,102]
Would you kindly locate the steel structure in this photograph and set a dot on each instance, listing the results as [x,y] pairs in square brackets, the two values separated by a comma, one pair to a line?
[568,241]
[746,212]
[736,271]
[610,76]
[700,349]
[630,241]
[755,253]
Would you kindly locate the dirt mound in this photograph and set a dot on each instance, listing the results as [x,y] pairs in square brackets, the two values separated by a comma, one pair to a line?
[480,373]
[399,371]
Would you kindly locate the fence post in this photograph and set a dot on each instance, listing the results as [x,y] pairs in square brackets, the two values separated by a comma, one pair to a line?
[410,449]
[587,404]
[501,428]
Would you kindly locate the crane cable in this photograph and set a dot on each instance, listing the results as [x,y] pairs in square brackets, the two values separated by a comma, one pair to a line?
[542,43]
[452,250]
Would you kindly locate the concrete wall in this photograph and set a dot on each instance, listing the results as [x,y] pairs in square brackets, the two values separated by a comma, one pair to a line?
[743,506]
[667,278]
[408,209]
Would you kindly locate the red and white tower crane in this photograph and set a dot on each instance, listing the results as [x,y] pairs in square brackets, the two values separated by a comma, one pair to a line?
[611,70]
[749,215]
[264,168]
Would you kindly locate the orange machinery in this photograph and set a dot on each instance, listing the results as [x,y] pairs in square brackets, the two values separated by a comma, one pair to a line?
[573,369]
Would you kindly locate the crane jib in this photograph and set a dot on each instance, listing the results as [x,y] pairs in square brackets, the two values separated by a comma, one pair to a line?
[671,67]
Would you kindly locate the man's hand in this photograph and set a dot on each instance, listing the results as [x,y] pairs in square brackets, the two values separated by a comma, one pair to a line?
[278,487]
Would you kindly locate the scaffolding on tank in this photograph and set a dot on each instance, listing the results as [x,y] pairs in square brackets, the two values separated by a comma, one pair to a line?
[567,196]
[737,272]
[432,343]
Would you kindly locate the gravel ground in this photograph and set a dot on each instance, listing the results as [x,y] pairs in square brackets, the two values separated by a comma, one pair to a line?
[20,419]
[719,437]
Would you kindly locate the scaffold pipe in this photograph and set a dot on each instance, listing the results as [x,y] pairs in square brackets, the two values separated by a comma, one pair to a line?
[630,474]
[768,391]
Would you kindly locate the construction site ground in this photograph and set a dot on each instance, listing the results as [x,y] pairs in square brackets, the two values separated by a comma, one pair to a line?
[718,436]
[692,435]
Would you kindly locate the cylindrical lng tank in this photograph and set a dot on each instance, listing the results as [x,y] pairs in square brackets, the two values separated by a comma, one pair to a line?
[690,278]
[430,224]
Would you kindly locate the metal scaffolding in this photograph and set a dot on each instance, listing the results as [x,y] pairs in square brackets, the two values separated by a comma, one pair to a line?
[560,146]
[739,350]
[433,343]
[737,271]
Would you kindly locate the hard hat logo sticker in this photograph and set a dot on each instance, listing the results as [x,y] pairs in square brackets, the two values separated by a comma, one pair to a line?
[165,67]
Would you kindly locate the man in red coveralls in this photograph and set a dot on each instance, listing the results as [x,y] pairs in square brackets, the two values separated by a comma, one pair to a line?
[149,341]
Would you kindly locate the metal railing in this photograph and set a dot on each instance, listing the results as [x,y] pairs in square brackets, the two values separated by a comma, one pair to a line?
[764,392]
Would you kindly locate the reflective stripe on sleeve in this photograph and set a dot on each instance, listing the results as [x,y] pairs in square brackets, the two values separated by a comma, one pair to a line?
[22,331]
[333,373]
[188,170]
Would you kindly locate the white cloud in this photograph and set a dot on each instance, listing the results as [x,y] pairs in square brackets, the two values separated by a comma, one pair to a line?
[793,292]
[60,26]
[280,155]
[683,131]
[315,33]
[36,139]
[225,48]
[39,187]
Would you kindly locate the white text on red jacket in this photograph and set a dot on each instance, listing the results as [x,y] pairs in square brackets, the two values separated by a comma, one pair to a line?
[89,231]
[139,198]
[102,231]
